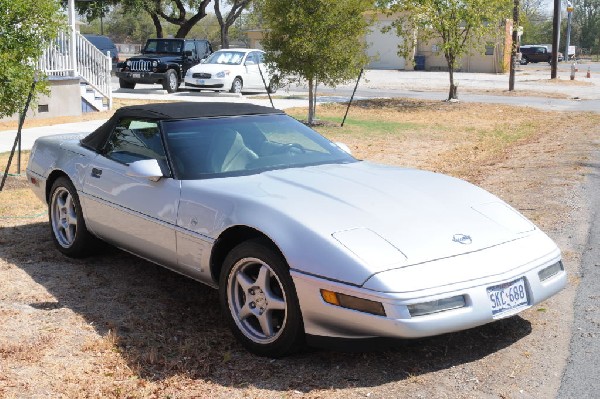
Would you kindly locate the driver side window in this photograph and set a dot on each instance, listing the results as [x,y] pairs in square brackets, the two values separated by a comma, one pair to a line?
[134,140]
[190,46]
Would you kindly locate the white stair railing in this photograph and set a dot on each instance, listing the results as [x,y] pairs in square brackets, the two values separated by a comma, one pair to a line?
[94,67]
[91,64]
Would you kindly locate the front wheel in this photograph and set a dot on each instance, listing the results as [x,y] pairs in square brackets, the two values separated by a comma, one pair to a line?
[171,83]
[68,229]
[236,86]
[123,84]
[259,300]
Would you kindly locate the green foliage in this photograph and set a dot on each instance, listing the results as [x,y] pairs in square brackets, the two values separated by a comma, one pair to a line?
[457,25]
[536,30]
[92,10]
[586,25]
[26,28]
[316,40]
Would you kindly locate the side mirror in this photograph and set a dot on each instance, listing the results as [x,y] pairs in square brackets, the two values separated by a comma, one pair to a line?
[187,53]
[343,147]
[250,62]
[146,168]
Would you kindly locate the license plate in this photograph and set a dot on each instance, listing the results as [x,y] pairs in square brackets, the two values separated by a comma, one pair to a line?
[200,81]
[136,75]
[508,296]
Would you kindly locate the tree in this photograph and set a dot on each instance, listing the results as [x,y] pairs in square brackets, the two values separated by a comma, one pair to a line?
[586,21]
[183,13]
[26,28]
[236,8]
[456,24]
[316,40]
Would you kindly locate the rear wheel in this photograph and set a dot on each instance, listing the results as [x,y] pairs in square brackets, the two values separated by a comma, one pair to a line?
[67,226]
[171,82]
[123,84]
[236,86]
[259,300]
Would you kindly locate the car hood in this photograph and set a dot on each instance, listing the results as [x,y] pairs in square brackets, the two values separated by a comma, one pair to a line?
[213,68]
[380,217]
[157,56]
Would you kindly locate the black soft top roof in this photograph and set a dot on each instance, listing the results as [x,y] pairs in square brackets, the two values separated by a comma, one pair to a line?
[170,111]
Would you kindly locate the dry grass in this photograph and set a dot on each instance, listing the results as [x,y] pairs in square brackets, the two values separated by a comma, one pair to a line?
[116,326]
[458,139]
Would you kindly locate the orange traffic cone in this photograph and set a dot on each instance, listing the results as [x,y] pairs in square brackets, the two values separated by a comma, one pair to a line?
[589,73]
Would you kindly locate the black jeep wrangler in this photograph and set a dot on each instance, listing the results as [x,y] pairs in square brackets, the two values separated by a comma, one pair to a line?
[163,61]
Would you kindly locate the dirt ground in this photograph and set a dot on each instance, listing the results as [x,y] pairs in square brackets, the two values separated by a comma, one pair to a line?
[116,326]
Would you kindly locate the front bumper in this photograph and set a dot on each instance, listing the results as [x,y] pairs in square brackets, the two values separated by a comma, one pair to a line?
[326,320]
[209,84]
[142,77]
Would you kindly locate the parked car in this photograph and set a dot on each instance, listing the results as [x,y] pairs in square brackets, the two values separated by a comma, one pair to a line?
[104,44]
[530,53]
[233,70]
[302,240]
[163,61]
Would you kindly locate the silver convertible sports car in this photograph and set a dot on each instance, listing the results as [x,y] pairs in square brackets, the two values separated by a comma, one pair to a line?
[301,239]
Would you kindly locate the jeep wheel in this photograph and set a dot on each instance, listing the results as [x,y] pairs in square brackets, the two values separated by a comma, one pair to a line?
[171,83]
[236,86]
[123,84]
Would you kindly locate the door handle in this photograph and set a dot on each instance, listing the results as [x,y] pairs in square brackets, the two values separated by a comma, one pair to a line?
[96,173]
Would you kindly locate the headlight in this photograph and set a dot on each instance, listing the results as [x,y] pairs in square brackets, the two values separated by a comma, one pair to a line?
[128,63]
[154,64]
[505,216]
[222,74]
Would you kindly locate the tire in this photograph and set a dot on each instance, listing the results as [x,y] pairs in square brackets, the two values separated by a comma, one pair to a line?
[236,86]
[67,225]
[525,61]
[259,300]
[123,84]
[171,83]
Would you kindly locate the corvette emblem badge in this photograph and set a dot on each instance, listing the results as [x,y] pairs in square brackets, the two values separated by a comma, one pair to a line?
[462,239]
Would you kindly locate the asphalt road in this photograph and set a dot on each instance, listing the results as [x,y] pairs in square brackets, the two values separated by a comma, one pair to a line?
[581,378]
[473,87]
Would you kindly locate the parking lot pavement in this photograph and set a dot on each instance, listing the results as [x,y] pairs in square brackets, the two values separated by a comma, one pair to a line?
[533,88]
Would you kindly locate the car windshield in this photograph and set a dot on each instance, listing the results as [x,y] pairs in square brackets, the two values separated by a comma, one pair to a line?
[226,57]
[244,145]
[164,46]
[101,42]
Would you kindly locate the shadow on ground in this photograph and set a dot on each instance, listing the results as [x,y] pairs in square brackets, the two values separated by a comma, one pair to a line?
[168,325]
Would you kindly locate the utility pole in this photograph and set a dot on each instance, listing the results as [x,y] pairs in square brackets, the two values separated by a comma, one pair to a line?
[555,36]
[568,39]
[515,44]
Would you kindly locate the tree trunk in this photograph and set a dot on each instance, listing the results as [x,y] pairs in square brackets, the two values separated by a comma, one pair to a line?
[224,36]
[515,45]
[453,92]
[311,101]
[157,25]
[315,100]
